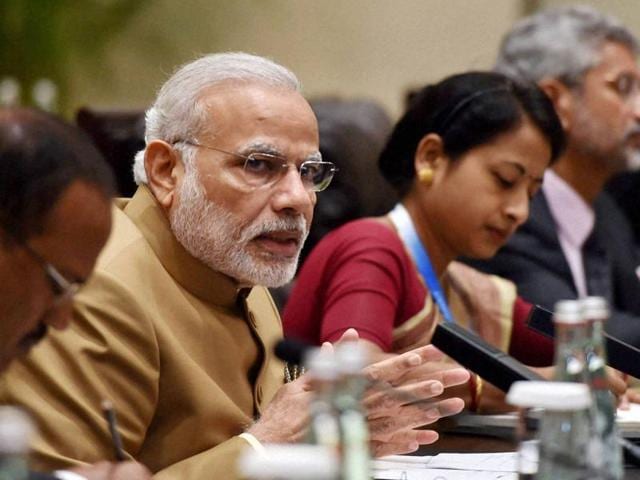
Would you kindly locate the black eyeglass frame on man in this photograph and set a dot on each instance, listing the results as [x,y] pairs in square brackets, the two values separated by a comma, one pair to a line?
[61,288]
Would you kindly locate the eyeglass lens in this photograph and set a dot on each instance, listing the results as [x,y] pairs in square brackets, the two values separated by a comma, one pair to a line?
[263,169]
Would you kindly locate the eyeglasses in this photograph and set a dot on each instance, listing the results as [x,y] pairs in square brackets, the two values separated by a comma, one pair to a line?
[626,85]
[62,288]
[263,169]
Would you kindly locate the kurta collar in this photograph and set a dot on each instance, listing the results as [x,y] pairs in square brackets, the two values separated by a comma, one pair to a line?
[191,273]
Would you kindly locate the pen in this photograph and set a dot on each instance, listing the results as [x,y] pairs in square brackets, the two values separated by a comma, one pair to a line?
[110,415]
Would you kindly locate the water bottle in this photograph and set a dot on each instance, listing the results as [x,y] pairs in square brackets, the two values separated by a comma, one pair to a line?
[564,432]
[604,449]
[289,462]
[16,430]
[324,428]
[523,396]
[355,458]
[571,341]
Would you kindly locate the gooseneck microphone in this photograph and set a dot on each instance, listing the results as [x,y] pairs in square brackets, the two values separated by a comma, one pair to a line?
[474,353]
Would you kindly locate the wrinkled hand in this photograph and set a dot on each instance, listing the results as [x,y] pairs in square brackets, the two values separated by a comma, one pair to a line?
[286,418]
[114,471]
[631,394]
[398,402]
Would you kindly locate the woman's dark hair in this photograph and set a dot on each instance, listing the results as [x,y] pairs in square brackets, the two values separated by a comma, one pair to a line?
[466,110]
[40,157]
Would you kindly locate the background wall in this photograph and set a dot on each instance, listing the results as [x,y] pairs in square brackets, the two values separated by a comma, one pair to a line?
[370,48]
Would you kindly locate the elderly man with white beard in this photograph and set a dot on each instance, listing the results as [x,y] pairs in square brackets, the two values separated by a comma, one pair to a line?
[176,327]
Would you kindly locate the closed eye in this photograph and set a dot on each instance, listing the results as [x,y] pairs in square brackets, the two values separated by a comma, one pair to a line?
[504,182]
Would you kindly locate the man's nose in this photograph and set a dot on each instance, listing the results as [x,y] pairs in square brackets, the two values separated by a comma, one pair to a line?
[291,193]
[635,107]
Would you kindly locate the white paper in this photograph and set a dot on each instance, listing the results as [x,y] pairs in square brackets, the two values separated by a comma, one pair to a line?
[440,474]
[493,462]
[448,466]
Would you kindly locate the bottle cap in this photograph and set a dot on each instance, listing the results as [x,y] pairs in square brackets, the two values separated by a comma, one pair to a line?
[594,308]
[567,311]
[302,462]
[554,396]
[321,364]
[16,430]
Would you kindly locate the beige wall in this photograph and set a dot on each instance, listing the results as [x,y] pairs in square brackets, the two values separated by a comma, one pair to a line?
[373,48]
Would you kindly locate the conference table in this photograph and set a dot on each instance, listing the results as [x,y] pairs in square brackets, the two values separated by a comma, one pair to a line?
[452,441]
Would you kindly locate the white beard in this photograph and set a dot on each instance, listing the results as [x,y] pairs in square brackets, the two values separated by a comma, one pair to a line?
[214,236]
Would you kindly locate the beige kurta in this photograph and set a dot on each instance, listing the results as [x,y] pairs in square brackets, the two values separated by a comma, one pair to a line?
[166,340]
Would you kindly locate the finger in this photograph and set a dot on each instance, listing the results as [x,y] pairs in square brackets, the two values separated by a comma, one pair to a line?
[349,335]
[624,402]
[411,435]
[633,396]
[617,385]
[327,347]
[383,397]
[412,416]
[406,442]
[409,417]
[395,367]
[449,377]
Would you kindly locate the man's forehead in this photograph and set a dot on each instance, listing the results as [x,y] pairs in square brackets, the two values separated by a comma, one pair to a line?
[616,56]
[235,107]
[240,93]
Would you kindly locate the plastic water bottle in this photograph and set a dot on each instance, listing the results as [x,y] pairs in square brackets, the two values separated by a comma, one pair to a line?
[523,395]
[322,369]
[604,449]
[16,430]
[355,458]
[563,433]
[571,341]
[289,462]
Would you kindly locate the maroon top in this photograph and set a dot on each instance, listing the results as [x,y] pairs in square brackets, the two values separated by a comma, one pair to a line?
[361,276]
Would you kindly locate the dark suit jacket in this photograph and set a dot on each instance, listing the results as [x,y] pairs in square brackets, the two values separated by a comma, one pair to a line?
[534,261]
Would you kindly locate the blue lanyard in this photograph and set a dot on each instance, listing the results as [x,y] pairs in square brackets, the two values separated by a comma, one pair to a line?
[407,232]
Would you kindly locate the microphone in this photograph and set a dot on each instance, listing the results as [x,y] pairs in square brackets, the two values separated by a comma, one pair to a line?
[621,355]
[474,353]
[291,350]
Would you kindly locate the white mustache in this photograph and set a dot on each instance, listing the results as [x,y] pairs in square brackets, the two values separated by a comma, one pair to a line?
[297,225]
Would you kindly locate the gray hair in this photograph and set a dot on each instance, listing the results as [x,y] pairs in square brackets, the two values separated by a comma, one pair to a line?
[561,43]
[177,113]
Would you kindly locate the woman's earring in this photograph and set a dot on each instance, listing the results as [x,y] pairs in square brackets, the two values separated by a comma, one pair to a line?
[425,176]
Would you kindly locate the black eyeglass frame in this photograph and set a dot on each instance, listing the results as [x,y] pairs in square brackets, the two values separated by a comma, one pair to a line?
[61,288]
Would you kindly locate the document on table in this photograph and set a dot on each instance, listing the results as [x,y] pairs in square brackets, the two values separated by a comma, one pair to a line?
[448,466]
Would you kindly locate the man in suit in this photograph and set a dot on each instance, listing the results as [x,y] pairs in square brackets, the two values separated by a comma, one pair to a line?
[55,218]
[176,325]
[576,241]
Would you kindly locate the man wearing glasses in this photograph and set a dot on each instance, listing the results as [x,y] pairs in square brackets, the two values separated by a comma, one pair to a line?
[55,193]
[576,241]
[176,325]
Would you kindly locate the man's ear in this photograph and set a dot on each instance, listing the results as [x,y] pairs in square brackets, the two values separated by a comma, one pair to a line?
[562,99]
[164,169]
[430,153]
